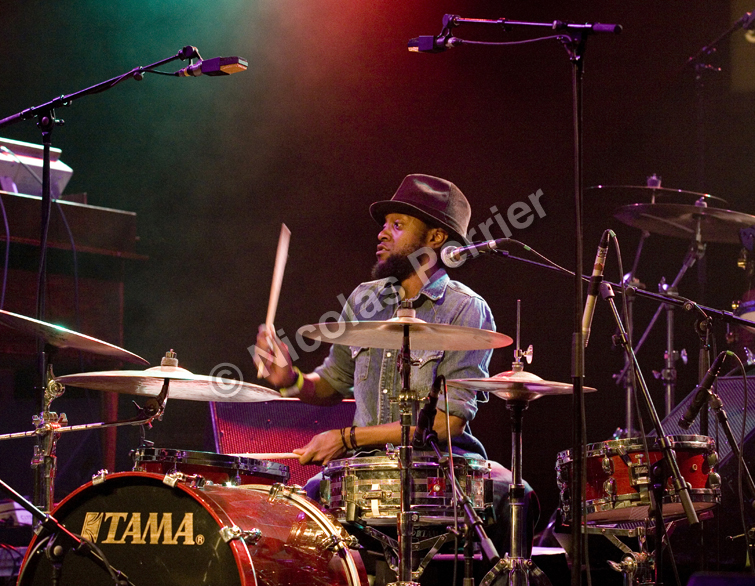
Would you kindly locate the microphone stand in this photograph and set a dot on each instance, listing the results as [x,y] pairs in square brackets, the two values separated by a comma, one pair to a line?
[574,38]
[62,540]
[46,121]
[665,444]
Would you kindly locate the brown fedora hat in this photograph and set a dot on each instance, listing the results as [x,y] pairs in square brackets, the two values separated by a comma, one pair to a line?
[435,201]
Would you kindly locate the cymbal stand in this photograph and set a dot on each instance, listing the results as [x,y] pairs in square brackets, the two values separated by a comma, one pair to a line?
[49,426]
[518,570]
[407,406]
[695,252]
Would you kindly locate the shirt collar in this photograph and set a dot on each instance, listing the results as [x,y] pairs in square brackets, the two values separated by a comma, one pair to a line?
[435,287]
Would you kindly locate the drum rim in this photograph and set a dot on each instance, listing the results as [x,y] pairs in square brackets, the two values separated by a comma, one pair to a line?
[609,447]
[209,459]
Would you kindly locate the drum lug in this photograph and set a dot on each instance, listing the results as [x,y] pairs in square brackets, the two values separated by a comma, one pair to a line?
[609,486]
[100,477]
[714,480]
[607,465]
[250,537]
[193,480]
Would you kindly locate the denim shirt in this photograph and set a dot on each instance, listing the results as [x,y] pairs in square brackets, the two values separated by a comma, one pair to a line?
[371,376]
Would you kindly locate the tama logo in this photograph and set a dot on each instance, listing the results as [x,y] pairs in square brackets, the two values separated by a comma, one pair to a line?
[131,528]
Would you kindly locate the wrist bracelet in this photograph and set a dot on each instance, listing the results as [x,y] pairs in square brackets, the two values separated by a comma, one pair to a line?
[343,438]
[353,437]
[294,389]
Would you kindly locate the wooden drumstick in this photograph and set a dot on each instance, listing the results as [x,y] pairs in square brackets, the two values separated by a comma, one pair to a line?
[281,256]
[268,456]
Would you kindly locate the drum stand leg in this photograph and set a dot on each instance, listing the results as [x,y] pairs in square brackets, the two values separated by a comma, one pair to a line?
[517,570]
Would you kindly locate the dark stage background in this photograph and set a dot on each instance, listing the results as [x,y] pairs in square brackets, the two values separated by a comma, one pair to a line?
[332,113]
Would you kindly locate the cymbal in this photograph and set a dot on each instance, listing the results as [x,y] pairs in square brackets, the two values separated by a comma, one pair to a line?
[390,334]
[516,386]
[61,337]
[183,385]
[681,221]
[661,192]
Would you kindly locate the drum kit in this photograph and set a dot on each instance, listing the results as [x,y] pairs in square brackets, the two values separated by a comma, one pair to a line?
[233,519]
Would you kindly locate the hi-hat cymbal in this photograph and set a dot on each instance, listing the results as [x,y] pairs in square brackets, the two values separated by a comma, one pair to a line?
[61,337]
[390,334]
[183,385]
[682,220]
[635,191]
[515,386]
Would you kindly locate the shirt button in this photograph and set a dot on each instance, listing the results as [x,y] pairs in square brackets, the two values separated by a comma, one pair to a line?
[388,354]
[385,391]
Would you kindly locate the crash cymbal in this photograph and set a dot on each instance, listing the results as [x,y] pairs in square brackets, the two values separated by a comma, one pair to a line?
[681,221]
[390,334]
[636,191]
[516,386]
[61,337]
[183,385]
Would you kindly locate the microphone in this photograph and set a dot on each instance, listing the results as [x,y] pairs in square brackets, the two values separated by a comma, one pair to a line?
[426,416]
[454,256]
[595,280]
[428,44]
[214,66]
[703,390]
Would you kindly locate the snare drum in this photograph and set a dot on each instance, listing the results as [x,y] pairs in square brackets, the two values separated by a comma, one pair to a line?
[618,478]
[368,488]
[216,468]
[163,532]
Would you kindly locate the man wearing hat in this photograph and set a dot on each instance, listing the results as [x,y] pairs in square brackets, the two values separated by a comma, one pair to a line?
[424,214]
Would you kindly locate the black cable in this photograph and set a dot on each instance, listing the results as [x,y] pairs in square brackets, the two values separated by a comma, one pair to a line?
[7,253]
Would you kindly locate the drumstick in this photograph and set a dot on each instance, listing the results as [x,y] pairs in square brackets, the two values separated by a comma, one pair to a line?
[275,288]
[268,456]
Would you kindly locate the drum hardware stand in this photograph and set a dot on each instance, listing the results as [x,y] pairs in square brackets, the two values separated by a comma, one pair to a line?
[519,570]
[695,252]
[678,481]
[669,374]
[390,548]
[49,426]
[61,541]
[407,405]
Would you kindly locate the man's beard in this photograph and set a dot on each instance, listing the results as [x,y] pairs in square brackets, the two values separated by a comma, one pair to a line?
[397,266]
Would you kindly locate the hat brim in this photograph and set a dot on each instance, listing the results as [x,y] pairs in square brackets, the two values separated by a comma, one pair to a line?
[380,209]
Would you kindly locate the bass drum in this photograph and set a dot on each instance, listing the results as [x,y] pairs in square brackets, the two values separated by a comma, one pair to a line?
[158,530]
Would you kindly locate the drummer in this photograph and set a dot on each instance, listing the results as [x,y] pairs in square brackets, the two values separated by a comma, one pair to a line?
[424,214]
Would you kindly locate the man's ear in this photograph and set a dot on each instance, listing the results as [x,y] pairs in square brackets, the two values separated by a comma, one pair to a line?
[436,238]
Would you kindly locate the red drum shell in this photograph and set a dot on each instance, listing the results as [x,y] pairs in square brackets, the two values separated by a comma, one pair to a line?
[610,495]
[217,468]
[171,536]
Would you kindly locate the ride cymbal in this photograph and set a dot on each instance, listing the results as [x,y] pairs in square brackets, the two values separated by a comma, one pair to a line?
[390,334]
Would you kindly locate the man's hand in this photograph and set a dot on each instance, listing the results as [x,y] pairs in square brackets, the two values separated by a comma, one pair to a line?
[322,448]
[273,356]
